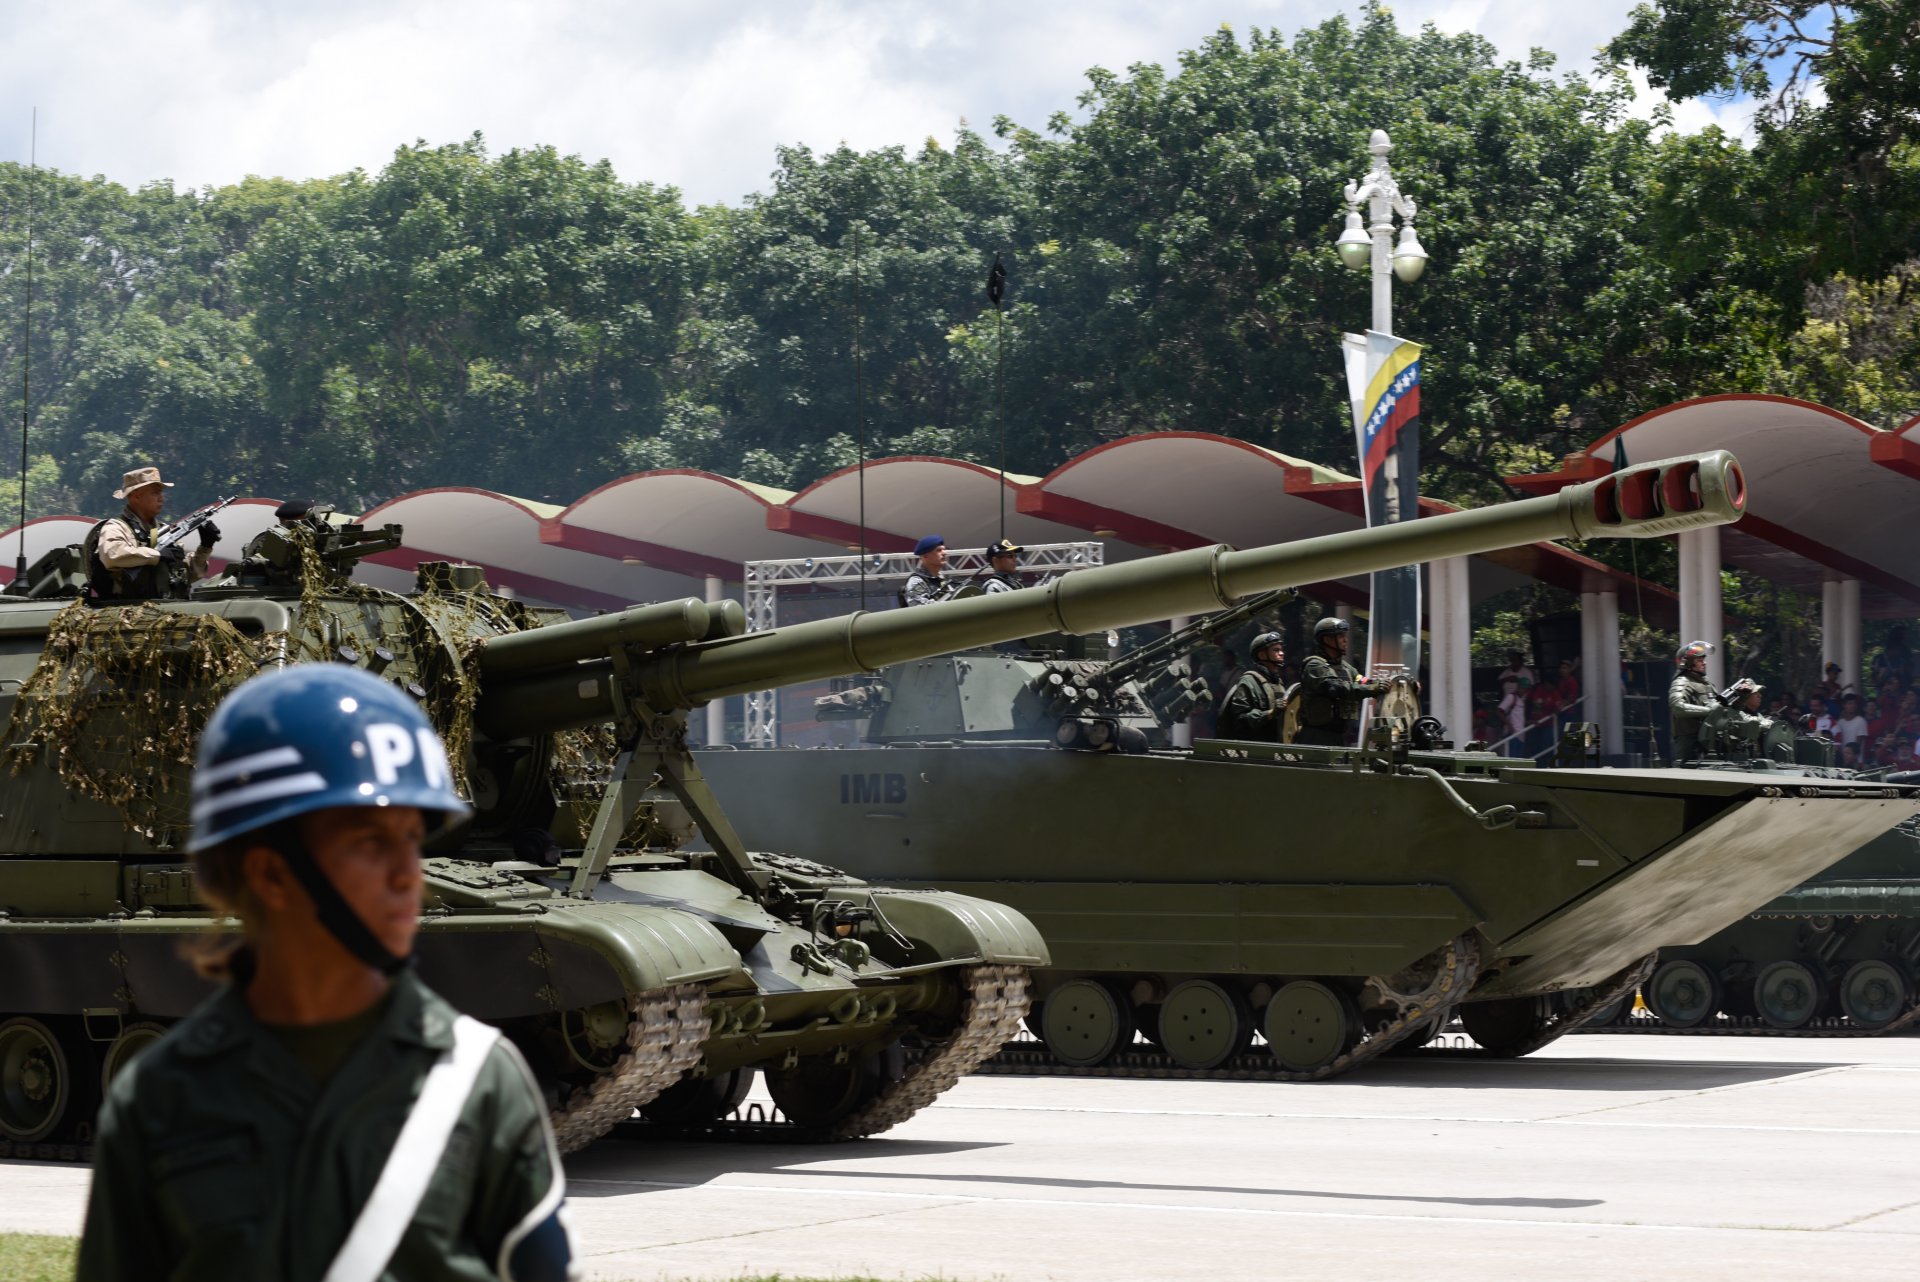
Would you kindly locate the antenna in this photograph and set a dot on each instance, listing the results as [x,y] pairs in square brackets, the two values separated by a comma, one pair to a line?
[26,351]
[996,287]
[860,401]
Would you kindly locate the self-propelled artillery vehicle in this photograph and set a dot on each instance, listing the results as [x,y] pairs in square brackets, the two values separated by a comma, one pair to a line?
[1335,901]
[632,976]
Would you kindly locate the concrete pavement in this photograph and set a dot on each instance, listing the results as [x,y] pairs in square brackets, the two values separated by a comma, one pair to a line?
[1613,1157]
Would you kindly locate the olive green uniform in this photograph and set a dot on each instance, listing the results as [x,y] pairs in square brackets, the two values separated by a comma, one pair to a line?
[1253,708]
[1689,699]
[1330,694]
[218,1156]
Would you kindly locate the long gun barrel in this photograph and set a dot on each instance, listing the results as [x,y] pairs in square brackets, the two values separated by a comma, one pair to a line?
[1649,500]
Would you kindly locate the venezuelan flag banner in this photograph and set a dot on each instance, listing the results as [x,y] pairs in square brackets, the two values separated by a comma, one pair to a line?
[1383,379]
[1383,375]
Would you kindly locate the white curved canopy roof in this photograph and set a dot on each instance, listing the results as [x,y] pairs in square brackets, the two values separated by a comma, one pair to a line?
[1827,495]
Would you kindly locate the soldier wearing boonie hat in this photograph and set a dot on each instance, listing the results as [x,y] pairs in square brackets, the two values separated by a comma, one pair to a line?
[1002,558]
[924,586]
[122,562]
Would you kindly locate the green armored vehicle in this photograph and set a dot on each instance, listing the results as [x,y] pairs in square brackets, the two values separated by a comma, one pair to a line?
[1335,901]
[1836,954]
[632,976]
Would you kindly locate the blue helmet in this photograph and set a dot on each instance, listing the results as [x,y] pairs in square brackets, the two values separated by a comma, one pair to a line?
[311,737]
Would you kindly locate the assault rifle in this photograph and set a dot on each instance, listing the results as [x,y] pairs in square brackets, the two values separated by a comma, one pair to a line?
[187,524]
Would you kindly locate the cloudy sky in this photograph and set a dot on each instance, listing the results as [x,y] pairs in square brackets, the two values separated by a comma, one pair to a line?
[692,94]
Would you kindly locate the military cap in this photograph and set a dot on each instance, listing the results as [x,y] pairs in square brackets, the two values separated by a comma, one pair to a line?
[1005,547]
[138,479]
[928,544]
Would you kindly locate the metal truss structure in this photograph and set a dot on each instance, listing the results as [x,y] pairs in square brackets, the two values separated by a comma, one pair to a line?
[887,570]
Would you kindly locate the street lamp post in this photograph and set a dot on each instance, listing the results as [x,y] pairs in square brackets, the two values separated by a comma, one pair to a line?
[1373,247]
[1383,379]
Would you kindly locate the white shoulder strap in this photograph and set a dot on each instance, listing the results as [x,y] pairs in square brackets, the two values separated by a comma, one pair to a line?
[416,1155]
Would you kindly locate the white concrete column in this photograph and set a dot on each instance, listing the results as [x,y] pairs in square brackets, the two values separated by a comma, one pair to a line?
[1183,730]
[1701,617]
[1450,658]
[1852,671]
[1438,695]
[717,710]
[1831,642]
[1607,684]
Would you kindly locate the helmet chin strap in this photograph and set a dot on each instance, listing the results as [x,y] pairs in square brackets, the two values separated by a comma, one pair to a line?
[336,915]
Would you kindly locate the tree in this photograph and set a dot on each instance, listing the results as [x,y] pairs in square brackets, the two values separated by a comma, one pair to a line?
[1833,180]
[1195,285]
[457,319]
[884,248]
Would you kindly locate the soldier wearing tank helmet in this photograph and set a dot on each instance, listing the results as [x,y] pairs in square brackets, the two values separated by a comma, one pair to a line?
[1690,698]
[1331,689]
[123,560]
[325,1114]
[1256,705]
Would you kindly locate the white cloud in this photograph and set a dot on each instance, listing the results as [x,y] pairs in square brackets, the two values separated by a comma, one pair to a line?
[696,95]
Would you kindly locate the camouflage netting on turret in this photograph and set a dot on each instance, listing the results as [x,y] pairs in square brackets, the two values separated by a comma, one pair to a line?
[119,698]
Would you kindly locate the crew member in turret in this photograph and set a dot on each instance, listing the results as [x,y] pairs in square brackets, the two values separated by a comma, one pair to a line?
[1003,558]
[1256,705]
[1690,698]
[925,585]
[123,563]
[1331,689]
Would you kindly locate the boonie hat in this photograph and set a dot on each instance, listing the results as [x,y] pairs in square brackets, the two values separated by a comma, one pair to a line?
[928,544]
[138,479]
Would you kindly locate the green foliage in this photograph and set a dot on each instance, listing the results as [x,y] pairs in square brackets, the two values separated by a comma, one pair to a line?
[847,284]
[1833,182]
[1195,214]
[505,323]
[531,323]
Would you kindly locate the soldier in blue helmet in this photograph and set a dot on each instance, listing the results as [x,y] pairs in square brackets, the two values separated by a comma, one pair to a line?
[925,585]
[325,1115]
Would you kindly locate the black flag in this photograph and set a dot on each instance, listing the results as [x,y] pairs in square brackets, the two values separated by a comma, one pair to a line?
[996,283]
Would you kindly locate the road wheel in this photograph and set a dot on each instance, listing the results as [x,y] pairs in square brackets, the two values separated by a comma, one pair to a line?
[1684,994]
[1788,993]
[1086,1022]
[1506,1026]
[816,1092]
[134,1040]
[1309,1025]
[693,1101]
[37,1083]
[1874,993]
[1203,1025]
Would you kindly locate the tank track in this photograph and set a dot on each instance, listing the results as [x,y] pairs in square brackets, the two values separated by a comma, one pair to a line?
[1624,984]
[11,1152]
[664,1039]
[996,1001]
[1457,969]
